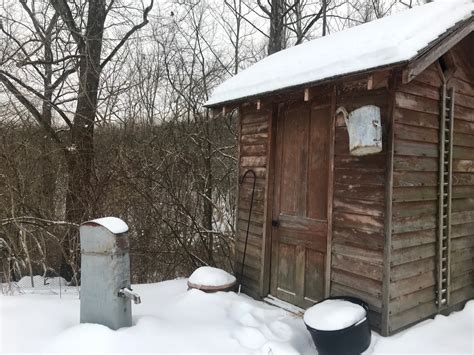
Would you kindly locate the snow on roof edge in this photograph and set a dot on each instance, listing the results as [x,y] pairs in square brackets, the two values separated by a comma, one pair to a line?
[307,84]
[450,31]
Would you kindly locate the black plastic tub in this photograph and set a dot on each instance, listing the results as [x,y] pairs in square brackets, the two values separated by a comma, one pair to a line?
[348,341]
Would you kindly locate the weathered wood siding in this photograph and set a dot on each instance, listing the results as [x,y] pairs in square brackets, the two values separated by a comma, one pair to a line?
[359,209]
[415,196]
[373,221]
[415,200]
[253,154]
[462,234]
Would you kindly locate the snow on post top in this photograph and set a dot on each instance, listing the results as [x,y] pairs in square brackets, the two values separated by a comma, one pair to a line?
[113,224]
[390,40]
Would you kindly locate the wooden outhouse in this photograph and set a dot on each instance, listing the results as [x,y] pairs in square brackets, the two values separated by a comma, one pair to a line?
[395,228]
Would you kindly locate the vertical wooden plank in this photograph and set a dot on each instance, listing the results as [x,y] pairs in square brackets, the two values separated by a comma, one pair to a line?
[330,196]
[450,195]
[442,132]
[287,268]
[239,155]
[387,252]
[267,214]
[314,278]
[293,175]
[300,272]
[370,82]
[318,163]
[304,161]
[275,208]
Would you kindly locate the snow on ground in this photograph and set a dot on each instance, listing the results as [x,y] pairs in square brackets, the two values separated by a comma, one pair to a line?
[174,320]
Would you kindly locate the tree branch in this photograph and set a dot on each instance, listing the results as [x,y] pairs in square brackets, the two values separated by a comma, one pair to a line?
[264,8]
[33,18]
[62,8]
[31,108]
[290,8]
[63,77]
[246,20]
[39,95]
[57,61]
[36,220]
[309,25]
[128,34]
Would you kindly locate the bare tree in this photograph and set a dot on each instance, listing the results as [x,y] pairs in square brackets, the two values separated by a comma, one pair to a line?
[79,37]
[295,18]
[96,120]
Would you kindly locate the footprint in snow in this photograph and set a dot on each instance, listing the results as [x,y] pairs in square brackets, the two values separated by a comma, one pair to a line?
[277,348]
[277,331]
[238,309]
[249,320]
[281,330]
[250,338]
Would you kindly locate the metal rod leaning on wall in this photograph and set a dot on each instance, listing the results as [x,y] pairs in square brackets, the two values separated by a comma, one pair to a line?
[242,179]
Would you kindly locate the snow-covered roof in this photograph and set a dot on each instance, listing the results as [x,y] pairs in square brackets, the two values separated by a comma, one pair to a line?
[387,41]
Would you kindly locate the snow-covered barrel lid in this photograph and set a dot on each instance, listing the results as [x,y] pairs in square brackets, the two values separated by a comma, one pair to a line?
[334,314]
[211,278]
[391,40]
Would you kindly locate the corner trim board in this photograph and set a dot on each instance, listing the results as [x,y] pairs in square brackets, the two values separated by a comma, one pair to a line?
[419,64]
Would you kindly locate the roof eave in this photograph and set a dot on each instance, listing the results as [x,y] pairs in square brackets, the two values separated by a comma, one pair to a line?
[328,80]
[437,48]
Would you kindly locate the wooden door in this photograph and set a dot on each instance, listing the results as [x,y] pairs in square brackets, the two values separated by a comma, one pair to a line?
[299,217]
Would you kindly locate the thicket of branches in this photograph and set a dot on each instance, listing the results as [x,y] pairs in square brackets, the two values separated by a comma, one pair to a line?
[101,114]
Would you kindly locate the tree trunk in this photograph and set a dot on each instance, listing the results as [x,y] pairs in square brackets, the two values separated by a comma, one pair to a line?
[276,41]
[325,16]
[80,158]
[208,208]
[48,170]
[238,23]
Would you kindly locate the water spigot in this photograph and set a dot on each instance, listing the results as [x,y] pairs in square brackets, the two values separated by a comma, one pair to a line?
[128,293]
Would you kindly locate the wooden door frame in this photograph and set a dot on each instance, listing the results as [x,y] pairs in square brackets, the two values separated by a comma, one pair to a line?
[269,194]
[267,210]
[330,201]
[268,207]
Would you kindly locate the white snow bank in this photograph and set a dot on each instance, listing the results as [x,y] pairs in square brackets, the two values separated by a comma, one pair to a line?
[390,40]
[334,315]
[443,335]
[211,276]
[173,320]
[113,224]
[170,319]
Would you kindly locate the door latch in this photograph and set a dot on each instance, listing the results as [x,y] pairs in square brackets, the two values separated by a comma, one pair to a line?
[275,223]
